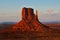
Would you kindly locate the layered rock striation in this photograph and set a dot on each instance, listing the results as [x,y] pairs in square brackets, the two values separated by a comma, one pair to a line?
[29,22]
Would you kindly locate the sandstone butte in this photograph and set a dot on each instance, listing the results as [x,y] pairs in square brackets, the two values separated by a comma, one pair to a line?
[29,28]
[30,23]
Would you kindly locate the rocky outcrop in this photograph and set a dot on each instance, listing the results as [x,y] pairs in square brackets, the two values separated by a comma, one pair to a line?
[30,22]
[29,28]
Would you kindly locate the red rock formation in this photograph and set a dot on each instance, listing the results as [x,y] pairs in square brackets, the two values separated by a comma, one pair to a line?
[29,22]
[29,28]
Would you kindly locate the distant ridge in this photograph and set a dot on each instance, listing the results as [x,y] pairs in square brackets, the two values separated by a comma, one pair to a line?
[8,23]
[52,22]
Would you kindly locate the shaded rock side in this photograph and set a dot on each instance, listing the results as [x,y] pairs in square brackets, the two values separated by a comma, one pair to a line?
[29,22]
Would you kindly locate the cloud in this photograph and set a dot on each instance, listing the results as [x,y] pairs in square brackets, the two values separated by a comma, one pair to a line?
[49,17]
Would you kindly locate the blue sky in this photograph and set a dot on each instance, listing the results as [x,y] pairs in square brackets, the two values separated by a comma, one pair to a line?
[48,10]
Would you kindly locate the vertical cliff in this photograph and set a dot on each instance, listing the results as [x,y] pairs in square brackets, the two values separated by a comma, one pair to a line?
[29,22]
[29,28]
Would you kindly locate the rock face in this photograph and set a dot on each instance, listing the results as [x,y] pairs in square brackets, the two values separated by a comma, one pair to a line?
[29,28]
[29,22]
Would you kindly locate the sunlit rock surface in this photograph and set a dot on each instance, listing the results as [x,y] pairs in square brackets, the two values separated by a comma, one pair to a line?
[29,28]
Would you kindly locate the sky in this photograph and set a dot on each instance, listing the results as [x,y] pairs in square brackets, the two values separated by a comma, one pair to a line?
[48,10]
